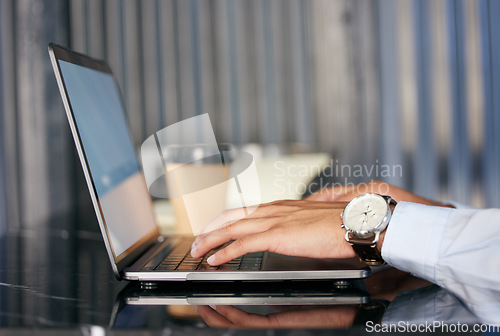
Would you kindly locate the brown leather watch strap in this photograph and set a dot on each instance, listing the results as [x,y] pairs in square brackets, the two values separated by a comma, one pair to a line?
[367,251]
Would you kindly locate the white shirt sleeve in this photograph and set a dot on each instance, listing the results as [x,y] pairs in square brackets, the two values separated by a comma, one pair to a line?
[458,249]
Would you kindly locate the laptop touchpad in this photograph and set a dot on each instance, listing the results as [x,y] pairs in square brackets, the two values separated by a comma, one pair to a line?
[278,262]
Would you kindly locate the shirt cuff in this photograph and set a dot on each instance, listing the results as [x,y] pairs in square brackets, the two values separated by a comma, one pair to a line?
[413,238]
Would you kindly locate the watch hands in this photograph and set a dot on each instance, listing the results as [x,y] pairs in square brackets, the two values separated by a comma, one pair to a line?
[365,220]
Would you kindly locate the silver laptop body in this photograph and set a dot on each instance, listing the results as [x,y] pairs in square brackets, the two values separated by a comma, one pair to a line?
[122,203]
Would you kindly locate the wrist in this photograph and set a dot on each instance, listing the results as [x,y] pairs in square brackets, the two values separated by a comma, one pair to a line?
[381,241]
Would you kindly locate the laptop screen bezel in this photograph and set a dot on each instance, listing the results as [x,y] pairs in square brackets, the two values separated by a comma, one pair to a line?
[58,53]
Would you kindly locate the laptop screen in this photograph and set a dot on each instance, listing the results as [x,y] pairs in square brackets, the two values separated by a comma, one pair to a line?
[118,181]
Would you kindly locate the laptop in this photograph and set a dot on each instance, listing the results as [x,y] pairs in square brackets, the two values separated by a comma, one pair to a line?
[123,205]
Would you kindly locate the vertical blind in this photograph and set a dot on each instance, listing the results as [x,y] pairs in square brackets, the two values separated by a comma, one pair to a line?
[407,83]
[36,156]
[399,82]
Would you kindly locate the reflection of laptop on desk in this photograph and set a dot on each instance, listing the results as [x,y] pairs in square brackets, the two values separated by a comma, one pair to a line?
[123,205]
[173,302]
[314,292]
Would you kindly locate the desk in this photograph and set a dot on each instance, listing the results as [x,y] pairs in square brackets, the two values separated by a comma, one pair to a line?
[59,281]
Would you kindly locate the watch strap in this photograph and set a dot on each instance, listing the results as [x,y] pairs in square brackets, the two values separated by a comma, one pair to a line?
[367,251]
[392,203]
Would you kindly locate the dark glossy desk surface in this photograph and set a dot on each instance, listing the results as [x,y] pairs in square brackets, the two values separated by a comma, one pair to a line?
[60,281]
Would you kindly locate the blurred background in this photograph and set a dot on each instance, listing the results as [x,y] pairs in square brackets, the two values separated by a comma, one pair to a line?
[407,83]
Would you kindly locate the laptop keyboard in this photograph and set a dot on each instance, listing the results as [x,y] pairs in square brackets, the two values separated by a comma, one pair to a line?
[179,259]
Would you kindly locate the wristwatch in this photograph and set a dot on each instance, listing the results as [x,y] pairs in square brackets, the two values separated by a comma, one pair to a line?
[364,218]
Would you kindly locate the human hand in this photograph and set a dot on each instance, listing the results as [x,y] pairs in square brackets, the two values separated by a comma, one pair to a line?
[347,193]
[311,317]
[296,228]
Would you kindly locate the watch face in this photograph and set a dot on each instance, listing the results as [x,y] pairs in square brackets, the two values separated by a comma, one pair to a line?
[365,213]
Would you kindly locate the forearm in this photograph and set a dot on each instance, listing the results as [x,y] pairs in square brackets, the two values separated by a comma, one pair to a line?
[455,249]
